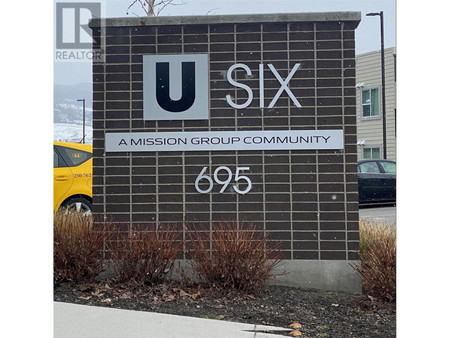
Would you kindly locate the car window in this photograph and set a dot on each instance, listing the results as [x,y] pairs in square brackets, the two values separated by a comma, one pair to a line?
[74,157]
[389,167]
[58,162]
[368,167]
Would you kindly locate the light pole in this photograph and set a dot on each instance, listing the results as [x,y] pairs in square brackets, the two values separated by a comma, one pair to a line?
[383,84]
[84,118]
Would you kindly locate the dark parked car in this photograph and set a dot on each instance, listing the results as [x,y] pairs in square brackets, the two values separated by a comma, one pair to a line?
[376,181]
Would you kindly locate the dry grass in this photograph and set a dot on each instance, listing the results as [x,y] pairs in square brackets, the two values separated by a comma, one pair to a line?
[378,260]
[77,248]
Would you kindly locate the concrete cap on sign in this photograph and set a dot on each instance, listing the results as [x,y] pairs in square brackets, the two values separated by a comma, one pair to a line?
[214,19]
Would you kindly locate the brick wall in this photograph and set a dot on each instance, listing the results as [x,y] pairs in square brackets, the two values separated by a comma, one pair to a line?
[305,198]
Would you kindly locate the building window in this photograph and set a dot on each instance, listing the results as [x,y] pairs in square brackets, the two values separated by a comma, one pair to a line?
[373,152]
[370,103]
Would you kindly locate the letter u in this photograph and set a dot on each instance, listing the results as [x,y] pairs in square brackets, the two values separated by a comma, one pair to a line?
[187,84]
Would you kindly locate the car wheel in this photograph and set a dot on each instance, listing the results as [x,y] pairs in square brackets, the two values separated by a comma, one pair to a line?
[78,204]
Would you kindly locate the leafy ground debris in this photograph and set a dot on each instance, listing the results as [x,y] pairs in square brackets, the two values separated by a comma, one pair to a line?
[311,313]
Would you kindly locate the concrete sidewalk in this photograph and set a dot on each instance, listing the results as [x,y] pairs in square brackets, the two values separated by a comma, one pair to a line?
[81,321]
[380,214]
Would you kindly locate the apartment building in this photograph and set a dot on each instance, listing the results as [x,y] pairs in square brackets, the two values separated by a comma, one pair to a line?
[369,106]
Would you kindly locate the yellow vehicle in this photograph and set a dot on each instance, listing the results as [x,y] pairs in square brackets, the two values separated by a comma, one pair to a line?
[72,176]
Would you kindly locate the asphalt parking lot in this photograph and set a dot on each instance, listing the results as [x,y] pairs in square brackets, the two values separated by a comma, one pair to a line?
[387,214]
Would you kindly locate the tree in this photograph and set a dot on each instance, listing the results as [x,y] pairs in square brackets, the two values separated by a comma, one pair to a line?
[154,7]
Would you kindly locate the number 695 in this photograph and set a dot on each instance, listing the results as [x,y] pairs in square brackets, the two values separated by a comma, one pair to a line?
[224,183]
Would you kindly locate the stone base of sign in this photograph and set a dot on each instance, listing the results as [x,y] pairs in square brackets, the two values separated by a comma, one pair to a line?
[308,274]
[322,275]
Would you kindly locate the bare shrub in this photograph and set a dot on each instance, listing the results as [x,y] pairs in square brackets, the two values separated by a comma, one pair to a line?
[227,256]
[145,256]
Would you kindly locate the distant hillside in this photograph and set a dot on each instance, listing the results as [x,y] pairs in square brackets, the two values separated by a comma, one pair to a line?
[69,132]
[66,107]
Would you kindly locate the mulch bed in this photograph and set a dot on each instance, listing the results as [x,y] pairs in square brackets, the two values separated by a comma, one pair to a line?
[320,313]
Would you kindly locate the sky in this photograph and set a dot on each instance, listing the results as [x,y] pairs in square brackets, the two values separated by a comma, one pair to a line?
[367,33]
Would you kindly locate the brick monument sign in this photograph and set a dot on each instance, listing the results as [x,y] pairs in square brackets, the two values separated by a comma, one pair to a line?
[240,117]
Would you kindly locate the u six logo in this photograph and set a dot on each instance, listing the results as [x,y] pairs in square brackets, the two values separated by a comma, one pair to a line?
[176,87]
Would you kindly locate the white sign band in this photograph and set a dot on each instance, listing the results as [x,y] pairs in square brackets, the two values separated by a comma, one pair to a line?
[225,140]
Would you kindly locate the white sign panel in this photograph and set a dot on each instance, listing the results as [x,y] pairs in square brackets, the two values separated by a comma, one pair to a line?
[225,140]
[176,87]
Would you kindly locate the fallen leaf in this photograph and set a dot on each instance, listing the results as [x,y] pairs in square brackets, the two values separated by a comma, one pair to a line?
[85,288]
[196,295]
[85,298]
[296,325]
[169,298]
[126,295]
[295,333]
[334,304]
[183,294]
[97,293]
[107,300]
